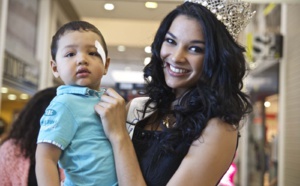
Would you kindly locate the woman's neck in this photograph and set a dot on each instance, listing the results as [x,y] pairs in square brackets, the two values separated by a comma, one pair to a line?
[179,98]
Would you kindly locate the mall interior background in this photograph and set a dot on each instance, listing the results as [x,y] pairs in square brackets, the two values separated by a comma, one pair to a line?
[271,133]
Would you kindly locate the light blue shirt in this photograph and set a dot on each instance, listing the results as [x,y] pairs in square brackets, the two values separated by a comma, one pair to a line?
[71,123]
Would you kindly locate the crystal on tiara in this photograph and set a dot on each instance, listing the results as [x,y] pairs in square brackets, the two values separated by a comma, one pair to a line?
[234,14]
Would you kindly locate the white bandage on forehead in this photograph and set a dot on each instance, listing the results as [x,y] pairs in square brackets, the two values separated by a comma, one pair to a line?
[101,51]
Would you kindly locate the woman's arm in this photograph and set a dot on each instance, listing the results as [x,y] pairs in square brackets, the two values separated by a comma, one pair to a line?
[47,156]
[209,157]
[112,111]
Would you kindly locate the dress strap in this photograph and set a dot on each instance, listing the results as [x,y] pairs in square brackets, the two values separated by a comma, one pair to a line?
[135,114]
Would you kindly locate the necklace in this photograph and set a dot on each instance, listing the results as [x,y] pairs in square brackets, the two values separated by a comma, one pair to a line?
[167,123]
[170,122]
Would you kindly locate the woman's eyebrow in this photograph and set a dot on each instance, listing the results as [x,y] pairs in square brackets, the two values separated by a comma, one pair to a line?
[172,35]
[193,41]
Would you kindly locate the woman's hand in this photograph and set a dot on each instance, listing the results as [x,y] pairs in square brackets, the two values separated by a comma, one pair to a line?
[111,110]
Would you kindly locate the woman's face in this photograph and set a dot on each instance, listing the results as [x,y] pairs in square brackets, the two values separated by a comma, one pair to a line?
[182,53]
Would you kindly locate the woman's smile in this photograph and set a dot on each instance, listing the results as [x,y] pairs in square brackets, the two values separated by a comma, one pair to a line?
[176,71]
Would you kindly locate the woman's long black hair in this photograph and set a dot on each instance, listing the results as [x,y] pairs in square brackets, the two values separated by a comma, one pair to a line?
[26,127]
[218,92]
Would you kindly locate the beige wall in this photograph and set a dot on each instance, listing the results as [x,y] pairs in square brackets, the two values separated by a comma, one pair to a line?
[120,32]
[289,105]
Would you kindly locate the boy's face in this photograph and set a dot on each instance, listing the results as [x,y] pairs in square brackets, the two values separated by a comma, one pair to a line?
[77,60]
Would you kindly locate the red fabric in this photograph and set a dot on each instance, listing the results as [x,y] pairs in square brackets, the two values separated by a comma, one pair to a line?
[14,167]
[228,178]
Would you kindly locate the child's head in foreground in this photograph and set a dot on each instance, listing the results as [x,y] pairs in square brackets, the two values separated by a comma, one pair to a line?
[79,55]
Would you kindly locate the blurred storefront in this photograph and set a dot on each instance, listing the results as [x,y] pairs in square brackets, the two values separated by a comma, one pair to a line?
[268,156]
[264,43]
[19,67]
[25,31]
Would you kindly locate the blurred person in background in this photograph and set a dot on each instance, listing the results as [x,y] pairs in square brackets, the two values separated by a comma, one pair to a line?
[17,151]
[3,126]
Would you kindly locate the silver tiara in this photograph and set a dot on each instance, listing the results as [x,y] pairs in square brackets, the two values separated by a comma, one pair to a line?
[234,14]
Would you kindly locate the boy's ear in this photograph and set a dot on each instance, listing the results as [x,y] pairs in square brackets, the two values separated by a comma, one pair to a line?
[106,65]
[54,68]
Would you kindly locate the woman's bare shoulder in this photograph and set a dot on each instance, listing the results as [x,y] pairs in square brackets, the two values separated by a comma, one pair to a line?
[209,156]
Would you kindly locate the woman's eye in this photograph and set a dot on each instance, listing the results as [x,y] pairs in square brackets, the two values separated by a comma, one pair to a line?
[196,49]
[170,41]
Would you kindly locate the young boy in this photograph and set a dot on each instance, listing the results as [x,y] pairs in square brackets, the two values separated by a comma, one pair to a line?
[71,132]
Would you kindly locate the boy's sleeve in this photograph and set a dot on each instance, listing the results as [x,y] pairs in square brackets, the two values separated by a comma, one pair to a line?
[58,126]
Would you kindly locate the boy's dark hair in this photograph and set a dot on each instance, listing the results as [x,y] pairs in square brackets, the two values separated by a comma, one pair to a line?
[75,26]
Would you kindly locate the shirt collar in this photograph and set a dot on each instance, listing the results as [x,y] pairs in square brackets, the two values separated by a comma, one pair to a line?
[69,89]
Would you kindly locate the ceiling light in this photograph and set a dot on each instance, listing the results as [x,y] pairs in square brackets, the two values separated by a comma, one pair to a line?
[151,5]
[24,96]
[121,48]
[12,97]
[148,49]
[267,104]
[4,90]
[109,6]
[147,60]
